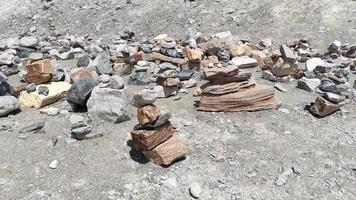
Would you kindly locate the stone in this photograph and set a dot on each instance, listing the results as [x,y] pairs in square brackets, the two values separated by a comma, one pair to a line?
[168,152]
[282,178]
[35,126]
[334,98]
[6,58]
[36,56]
[140,78]
[161,57]
[116,82]
[53,164]
[280,87]
[210,61]
[161,120]
[167,66]
[185,75]
[57,91]
[8,104]
[102,64]
[38,72]
[174,53]
[29,41]
[215,73]
[43,90]
[225,36]
[65,55]
[51,111]
[194,55]
[266,74]
[333,85]
[312,63]
[122,69]
[244,62]
[287,54]
[164,92]
[168,81]
[189,83]
[241,50]
[334,47]
[147,114]
[284,68]
[80,91]
[223,55]
[146,140]
[83,60]
[195,190]
[308,84]
[78,73]
[109,105]
[144,97]
[167,74]
[323,107]
[80,133]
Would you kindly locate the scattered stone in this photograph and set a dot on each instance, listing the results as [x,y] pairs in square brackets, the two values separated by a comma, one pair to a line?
[54,164]
[29,41]
[31,88]
[334,98]
[280,87]
[165,92]
[35,126]
[147,114]
[284,68]
[323,107]
[80,91]
[38,72]
[195,190]
[312,63]
[35,56]
[266,74]
[83,60]
[145,97]
[334,47]
[308,84]
[102,64]
[244,62]
[282,178]
[51,111]
[78,73]
[8,104]
[287,54]
[43,90]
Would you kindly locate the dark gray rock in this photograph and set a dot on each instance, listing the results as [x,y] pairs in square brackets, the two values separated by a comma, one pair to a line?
[171,52]
[308,84]
[161,120]
[140,78]
[43,90]
[83,60]
[102,64]
[80,91]
[185,75]
[31,88]
[223,55]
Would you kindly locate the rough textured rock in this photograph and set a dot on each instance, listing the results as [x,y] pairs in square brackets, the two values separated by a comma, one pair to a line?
[323,107]
[244,62]
[109,105]
[80,91]
[57,91]
[287,54]
[78,73]
[8,104]
[148,139]
[308,84]
[168,152]
[147,114]
[39,72]
[144,97]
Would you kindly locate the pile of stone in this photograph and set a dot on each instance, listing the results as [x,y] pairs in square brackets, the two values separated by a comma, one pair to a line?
[154,135]
[229,90]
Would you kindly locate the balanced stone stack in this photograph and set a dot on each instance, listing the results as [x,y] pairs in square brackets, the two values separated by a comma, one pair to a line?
[230,90]
[154,135]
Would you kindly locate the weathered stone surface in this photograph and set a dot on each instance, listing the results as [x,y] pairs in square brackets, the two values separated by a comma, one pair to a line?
[83,60]
[102,64]
[168,81]
[225,88]
[164,92]
[308,84]
[287,54]
[43,90]
[148,139]
[323,108]
[240,50]
[194,55]
[140,78]
[122,69]
[80,91]
[8,104]
[244,62]
[210,61]
[147,114]
[78,73]
[51,111]
[312,63]
[161,120]
[109,105]
[29,41]
[334,98]
[168,152]
[57,90]
[6,58]
[284,68]
[35,126]
[144,97]
[266,74]
[39,72]
[158,56]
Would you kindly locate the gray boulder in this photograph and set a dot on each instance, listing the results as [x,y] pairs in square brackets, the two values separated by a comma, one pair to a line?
[29,41]
[110,105]
[80,91]
[102,64]
[8,104]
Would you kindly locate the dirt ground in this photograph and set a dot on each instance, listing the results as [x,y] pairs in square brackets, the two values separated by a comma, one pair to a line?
[276,154]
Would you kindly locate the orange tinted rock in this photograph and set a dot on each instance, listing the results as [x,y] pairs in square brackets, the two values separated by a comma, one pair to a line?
[149,139]
[241,50]
[147,114]
[167,152]
[37,78]
[161,57]
[212,60]
[78,73]
[194,55]
[40,67]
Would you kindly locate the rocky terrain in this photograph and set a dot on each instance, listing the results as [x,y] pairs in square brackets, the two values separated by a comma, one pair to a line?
[137,99]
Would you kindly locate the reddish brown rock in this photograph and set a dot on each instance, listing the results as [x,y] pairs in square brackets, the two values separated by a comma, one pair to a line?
[213,73]
[78,73]
[210,61]
[149,139]
[147,114]
[323,107]
[161,57]
[168,152]
[168,81]
[37,78]
[39,72]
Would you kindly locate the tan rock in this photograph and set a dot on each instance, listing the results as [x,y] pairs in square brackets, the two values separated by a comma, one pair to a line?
[147,114]
[194,55]
[284,68]
[214,73]
[244,62]
[240,50]
[323,107]
[121,68]
[198,92]
[57,90]
[149,139]
[210,61]
[168,81]
[78,73]
[168,152]
[161,57]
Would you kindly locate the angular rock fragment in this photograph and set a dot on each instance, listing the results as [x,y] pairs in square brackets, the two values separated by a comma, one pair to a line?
[147,114]
[169,82]
[35,126]
[38,72]
[8,104]
[168,152]
[287,54]
[323,107]
[308,84]
[179,61]
[80,91]
[244,62]
[144,97]
[78,73]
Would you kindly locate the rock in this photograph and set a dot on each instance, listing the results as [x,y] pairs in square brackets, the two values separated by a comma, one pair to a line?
[334,98]
[57,90]
[185,75]
[266,74]
[280,87]
[282,178]
[80,91]
[334,85]
[109,105]
[66,55]
[102,64]
[240,50]
[31,88]
[6,58]
[147,114]
[8,104]
[149,139]
[161,120]
[223,55]
[244,62]
[35,56]
[287,54]
[164,92]
[189,83]
[116,82]
[168,152]
[167,74]
[144,97]
[225,36]
[168,81]
[284,68]
[334,47]
[51,111]
[312,63]
[308,84]
[29,41]
[323,108]
[53,164]
[79,128]
[161,57]
[195,190]
[194,55]
[140,78]
[122,69]
[167,66]
[35,126]
[78,73]
[83,60]
[39,72]
[43,90]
